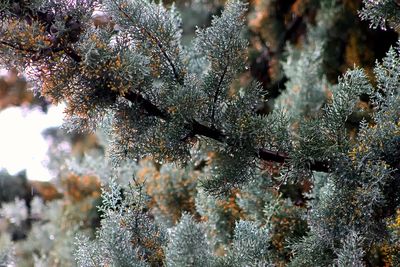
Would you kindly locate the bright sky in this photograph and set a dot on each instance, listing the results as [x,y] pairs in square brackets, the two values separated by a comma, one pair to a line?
[21,144]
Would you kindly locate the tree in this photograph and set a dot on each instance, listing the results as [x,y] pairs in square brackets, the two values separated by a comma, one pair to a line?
[187,105]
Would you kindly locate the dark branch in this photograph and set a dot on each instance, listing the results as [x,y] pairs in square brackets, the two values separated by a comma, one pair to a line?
[199,129]
[149,107]
[279,157]
[159,44]
[45,51]
[320,166]
[202,130]
[178,78]
[18,47]
[272,156]
[217,91]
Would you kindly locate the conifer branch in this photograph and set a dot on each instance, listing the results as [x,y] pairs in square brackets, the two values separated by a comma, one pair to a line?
[18,47]
[210,132]
[159,45]
[176,75]
[72,54]
[69,51]
[195,127]
[215,134]
[217,91]
[150,108]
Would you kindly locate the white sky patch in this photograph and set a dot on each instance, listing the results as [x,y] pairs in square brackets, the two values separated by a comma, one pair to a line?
[22,145]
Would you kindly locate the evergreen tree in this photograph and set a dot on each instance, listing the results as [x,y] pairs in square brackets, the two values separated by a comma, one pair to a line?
[187,108]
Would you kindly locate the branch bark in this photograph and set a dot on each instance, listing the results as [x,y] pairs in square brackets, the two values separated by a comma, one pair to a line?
[215,134]
[149,107]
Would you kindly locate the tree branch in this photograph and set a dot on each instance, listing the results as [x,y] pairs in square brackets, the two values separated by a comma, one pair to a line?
[195,127]
[18,47]
[217,91]
[149,107]
[159,44]
[45,51]
[269,155]
[202,130]
[215,134]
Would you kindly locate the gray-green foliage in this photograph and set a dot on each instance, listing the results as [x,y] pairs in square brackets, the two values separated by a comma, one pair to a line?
[14,211]
[49,238]
[351,253]
[249,246]
[326,138]
[353,196]
[345,214]
[306,90]
[225,52]
[304,68]
[6,251]
[188,245]
[381,13]
[218,218]
[127,237]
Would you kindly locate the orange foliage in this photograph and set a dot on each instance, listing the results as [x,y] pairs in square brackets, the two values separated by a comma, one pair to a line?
[231,208]
[284,224]
[80,187]
[151,243]
[171,192]
[299,6]
[26,36]
[382,254]
[13,90]
[388,250]
[352,51]
[47,191]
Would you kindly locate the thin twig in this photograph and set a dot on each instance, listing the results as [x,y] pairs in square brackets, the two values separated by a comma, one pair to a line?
[159,44]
